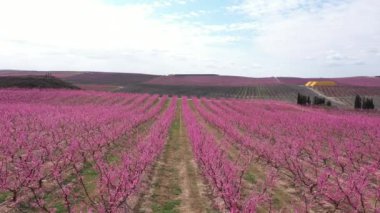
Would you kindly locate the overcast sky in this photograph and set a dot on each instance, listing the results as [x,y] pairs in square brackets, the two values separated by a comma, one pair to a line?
[310,38]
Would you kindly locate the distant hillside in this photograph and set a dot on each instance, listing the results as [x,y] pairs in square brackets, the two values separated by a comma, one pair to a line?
[127,79]
[34,82]
[120,79]
[239,81]
[209,85]
[58,74]
[211,80]
[364,81]
[194,75]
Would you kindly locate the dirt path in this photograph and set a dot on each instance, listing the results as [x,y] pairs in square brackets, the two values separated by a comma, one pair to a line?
[176,185]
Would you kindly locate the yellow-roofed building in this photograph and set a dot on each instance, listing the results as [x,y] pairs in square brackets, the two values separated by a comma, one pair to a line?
[320,83]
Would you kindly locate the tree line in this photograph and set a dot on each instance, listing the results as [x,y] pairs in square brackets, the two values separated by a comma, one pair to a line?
[363,103]
[360,102]
[305,100]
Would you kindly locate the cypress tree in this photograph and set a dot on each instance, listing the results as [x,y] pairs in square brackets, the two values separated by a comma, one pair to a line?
[372,105]
[298,98]
[358,102]
[368,103]
[303,100]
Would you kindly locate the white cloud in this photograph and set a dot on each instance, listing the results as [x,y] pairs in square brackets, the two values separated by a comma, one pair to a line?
[265,8]
[185,15]
[335,58]
[227,28]
[277,37]
[292,31]
[93,35]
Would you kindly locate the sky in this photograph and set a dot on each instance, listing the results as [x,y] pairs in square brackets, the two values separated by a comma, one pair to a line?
[257,38]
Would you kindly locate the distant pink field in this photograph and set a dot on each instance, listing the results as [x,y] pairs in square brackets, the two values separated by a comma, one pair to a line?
[360,81]
[198,80]
[215,80]
[350,81]
[98,87]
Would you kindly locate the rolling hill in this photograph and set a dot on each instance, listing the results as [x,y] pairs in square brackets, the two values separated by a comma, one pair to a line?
[34,81]
[211,85]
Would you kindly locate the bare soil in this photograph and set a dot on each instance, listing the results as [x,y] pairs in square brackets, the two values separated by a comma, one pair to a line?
[176,185]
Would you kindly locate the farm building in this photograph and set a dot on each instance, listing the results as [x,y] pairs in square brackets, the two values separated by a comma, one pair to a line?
[320,83]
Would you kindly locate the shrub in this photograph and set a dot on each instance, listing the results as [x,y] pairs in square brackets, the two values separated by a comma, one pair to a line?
[319,101]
